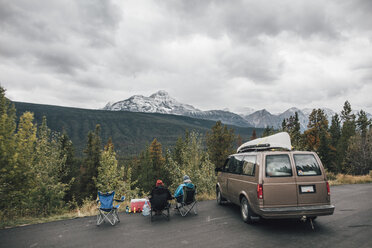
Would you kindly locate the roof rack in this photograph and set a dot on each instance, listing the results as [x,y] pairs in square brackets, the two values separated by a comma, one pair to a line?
[281,141]
[261,148]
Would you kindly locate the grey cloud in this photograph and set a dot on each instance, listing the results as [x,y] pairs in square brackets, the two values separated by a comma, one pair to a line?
[56,34]
[258,63]
[247,19]
[286,52]
[61,61]
[55,21]
[98,20]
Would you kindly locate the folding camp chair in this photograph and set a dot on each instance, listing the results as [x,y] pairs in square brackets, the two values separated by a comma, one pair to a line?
[159,205]
[188,201]
[106,210]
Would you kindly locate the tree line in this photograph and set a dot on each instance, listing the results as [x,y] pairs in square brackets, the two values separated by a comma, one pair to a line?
[344,146]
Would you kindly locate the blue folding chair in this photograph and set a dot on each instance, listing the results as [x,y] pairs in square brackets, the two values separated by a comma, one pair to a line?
[106,209]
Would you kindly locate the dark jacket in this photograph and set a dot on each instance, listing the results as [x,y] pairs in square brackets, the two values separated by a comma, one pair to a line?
[160,190]
[159,197]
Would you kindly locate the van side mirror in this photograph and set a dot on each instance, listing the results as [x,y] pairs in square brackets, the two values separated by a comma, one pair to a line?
[216,170]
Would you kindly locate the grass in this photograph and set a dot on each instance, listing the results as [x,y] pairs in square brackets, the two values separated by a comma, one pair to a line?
[89,208]
[341,179]
[24,221]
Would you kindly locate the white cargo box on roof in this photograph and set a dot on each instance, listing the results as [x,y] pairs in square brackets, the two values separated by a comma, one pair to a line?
[277,141]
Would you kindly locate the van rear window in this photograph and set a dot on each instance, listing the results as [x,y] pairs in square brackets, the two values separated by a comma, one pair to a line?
[278,166]
[306,165]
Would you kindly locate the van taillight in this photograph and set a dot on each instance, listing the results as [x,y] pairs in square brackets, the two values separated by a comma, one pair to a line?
[328,190]
[259,191]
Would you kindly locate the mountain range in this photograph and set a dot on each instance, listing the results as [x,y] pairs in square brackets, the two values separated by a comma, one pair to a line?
[162,102]
[131,132]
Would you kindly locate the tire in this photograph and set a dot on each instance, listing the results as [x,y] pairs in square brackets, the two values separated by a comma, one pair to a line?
[219,197]
[246,211]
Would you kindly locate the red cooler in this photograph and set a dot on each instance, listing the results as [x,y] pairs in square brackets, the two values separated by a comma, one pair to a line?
[138,204]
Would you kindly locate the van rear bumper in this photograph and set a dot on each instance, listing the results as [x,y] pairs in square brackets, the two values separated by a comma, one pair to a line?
[296,212]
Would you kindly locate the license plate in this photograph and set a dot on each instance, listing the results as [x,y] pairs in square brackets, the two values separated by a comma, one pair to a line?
[307,189]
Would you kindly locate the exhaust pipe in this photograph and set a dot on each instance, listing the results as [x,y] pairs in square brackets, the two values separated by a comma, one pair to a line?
[304,218]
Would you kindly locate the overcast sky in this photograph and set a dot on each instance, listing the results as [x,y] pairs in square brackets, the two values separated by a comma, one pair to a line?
[210,54]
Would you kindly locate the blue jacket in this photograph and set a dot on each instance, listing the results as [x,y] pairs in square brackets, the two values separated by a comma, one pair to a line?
[179,191]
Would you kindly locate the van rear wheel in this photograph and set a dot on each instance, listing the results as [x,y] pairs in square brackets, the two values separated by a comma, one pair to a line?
[246,211]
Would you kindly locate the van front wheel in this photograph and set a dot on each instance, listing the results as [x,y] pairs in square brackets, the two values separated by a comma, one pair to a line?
[219,197]
[246,211]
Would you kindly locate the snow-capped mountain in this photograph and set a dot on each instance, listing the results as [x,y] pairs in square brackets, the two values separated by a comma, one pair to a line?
[159,102]
[263,118]
[221,115]
[302,117]
[162,102]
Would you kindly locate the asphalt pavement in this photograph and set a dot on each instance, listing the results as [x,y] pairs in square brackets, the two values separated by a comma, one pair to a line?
[214,226]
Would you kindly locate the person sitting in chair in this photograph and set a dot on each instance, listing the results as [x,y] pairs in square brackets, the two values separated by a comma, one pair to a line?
[179,192]
[160,189]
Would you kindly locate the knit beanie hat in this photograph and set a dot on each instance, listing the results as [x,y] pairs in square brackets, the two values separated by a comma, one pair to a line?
[186,179]
[159,183]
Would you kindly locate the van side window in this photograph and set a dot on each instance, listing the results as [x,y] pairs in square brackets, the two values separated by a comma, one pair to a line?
[238,164]
[306,165]
[278,166]
[249,165]
[226,165]
[232,165]
[235,164]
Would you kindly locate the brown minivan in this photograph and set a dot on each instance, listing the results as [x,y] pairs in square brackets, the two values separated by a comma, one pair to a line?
[271,182]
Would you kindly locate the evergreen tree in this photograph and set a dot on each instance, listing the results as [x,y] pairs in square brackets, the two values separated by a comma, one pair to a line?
[196,164]
[335,135]
[239,140]
[8,155]
[23,171]
[177,151]
[48,191]
[144,172]
[220,142]
[323,149]
[110,177]
[268,131]
[335,130]
[362,123]
[349,125]
[284,125]
[254,135]
[69,170]
[293,127]
[90,164]
[359,154]
[296,133]
[157,159]
[347,131]
[150,167]
[317,123]
[317,136]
